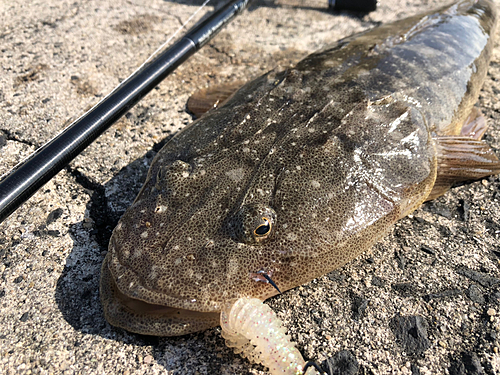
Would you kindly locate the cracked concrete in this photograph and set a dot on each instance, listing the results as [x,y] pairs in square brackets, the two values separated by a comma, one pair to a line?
[60,57]
[9,136]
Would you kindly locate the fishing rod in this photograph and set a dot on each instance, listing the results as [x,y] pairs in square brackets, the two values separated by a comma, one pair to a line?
[354,5]
[31,174]
[48,160]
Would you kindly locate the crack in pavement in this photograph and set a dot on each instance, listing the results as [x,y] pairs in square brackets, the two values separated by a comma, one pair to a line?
[10,136]
[98,207]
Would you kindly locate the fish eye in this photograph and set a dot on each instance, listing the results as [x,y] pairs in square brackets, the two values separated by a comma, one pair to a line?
[252,224]
[263,229]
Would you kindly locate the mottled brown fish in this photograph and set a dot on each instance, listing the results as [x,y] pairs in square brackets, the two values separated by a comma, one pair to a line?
[301,171]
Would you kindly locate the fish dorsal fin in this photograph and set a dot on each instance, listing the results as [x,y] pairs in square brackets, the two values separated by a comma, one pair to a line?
[462,158]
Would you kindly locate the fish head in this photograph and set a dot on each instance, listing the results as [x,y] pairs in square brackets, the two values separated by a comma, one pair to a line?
[185,247]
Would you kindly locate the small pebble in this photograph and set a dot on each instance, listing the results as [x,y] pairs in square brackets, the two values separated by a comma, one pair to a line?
[427,249]
[24,317]
[63,365]
[491,312]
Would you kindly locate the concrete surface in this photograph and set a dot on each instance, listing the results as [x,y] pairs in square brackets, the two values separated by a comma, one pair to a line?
[425,301]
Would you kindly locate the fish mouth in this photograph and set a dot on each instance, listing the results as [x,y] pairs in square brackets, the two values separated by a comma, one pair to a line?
[145,318]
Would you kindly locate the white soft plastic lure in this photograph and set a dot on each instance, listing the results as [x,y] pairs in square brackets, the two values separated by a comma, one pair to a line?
[255,332]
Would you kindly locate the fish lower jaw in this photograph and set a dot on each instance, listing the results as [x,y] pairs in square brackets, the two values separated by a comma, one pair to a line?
[146,318]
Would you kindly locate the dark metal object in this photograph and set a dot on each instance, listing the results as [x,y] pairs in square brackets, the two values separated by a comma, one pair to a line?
[270,281]
[354,5]
[316,366]
[48,160]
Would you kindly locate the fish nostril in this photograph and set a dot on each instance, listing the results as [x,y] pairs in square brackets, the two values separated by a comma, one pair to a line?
[159,174]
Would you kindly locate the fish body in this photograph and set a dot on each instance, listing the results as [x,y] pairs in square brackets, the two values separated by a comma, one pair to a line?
[301,171]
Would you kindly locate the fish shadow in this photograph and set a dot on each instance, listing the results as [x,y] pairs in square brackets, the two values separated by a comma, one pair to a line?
[77,288]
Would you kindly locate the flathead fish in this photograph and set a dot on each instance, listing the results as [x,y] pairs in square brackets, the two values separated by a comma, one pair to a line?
[302,170]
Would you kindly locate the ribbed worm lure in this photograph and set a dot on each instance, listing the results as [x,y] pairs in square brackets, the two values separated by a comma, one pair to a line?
[256,333]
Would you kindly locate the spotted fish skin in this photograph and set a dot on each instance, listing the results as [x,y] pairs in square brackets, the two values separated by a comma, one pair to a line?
[298,173]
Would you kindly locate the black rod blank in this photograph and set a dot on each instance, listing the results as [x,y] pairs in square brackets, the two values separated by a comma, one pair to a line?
[48,160]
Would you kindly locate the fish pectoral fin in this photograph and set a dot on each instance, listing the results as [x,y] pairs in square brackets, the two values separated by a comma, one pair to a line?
[212,97]
[461,158]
